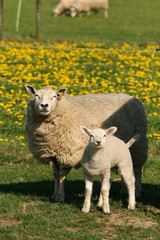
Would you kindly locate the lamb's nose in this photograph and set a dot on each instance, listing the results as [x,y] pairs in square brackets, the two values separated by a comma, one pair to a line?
[98,142]
[44,105]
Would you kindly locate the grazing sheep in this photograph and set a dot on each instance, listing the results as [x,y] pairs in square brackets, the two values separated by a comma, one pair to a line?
[88,5]
[62,7]
[53,121]
[104,152]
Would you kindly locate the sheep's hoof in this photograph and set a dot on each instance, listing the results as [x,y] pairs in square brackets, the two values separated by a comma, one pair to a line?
[56,199]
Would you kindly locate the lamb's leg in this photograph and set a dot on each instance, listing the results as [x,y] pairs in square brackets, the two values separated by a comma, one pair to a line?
[105,193]
[62,176]
[56,171]
[88,193]
[138,172]
[130,183]
[100,201]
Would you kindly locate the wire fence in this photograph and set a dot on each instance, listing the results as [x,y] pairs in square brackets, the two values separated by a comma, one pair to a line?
[126,17]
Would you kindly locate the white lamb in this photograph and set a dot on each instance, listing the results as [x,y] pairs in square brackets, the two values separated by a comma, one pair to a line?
[80,6]
[53,121]
[104,152]
[62,7]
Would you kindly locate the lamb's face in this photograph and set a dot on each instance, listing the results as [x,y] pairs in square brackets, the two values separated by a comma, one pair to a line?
[97,138]
[45,100]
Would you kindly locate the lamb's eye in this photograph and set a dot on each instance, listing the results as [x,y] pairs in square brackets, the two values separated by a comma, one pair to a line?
[91,136]
[37,96]
[104,136]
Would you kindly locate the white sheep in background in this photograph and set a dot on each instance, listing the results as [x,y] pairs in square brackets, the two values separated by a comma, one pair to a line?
[103,152]
[62,7]
[84,6]
[53,121]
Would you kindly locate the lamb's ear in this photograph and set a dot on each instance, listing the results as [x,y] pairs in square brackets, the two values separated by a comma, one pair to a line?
[85,130]
[31,90]
[111,130]
[61,92]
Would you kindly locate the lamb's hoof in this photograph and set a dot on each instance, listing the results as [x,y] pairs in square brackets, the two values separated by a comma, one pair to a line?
[106,212]
[131,207]
[84,210]
[100,205]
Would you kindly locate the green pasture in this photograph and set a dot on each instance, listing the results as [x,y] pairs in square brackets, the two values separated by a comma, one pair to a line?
[128,21]
[25,184]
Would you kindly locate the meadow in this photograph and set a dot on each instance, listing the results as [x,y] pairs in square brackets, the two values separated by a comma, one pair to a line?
[26,184]
[117,55]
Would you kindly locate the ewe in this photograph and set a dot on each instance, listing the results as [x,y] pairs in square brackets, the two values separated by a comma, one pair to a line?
[104,152]
[62,7]
[84,6]
[53,121]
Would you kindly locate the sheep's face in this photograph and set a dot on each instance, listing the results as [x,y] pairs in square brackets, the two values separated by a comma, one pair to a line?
[73,11]
[98,136]
[56,12]
[45,99]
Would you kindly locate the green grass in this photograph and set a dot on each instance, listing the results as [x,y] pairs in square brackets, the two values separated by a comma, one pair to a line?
[129,21]
[25,184]
[27,213]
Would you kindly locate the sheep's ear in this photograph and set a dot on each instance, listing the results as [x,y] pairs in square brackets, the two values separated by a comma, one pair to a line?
[31,89]
[111,130]
[61,92]
[85,130]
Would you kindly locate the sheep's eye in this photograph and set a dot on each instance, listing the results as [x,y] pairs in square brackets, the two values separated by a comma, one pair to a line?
[104,136]
[91,136]
[53,97]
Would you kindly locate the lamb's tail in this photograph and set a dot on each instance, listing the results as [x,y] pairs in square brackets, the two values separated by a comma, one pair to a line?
[133,140]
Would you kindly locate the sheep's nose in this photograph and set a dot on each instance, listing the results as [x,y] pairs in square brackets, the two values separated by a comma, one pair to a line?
[44,105]
[98,142]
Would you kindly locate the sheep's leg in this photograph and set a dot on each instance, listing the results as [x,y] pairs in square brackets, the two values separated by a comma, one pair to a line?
[88,193]
[138,172]
[105,13]
[105,193]
[130,183]
[123,187]
[62,176]
[56,171]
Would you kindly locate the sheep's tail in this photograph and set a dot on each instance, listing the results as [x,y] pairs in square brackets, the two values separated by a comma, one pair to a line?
[133,140]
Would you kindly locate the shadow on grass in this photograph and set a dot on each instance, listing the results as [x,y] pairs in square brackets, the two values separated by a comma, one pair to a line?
[75,192]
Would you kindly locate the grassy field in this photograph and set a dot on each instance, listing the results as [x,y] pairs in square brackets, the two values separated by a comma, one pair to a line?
[26,185]
[116,55]
[129,21]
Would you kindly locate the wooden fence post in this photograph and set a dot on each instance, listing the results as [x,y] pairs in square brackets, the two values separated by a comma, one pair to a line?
[37,18]
[1,18]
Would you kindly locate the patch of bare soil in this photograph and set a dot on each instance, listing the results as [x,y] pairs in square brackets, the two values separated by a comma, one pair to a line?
[130,220]
[4,223]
